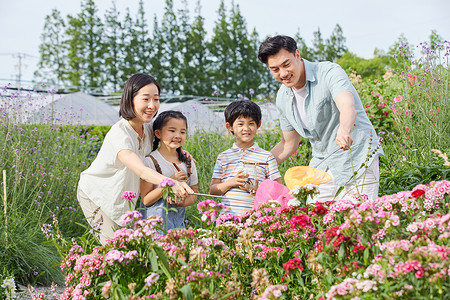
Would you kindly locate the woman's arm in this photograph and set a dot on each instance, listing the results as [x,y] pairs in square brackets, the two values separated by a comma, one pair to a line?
[135,164]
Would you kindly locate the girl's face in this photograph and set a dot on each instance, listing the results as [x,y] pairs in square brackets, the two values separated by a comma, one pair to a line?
[173,134]
[146,103]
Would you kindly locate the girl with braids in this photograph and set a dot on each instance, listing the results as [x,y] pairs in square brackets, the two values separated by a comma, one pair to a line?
[170,129]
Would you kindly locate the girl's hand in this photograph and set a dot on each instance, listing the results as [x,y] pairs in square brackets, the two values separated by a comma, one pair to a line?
[176,201]
[188,155]
[180,176]
[181,189]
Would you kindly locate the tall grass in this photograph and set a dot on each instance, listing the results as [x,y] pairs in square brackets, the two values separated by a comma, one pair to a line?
[42,164]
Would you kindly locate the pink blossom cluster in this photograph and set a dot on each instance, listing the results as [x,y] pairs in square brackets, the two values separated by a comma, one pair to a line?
[351,286]
[211,242]
[151,279]
[272,292]
[228,218]
[194,275]
[83,270]
[130,217]
[209,210]
[265,251]
[129,195]
[119,256]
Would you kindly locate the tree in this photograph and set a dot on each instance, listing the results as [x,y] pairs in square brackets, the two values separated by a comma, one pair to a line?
[319,46]
[170,31]
[367,68]
[401,52]
[305,52]
[246,68]
[156,59]
[75,45]
[221,53]
[142,42]
[53,56]
[85,48]
[194,73]
[92,33]
[335,44]
[113,47]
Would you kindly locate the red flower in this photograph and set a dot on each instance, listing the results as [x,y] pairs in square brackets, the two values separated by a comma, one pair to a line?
[417,193]
[293,264]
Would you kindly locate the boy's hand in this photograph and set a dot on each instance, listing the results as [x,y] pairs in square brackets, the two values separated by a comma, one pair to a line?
[251,189]
[180,176]
[238,181]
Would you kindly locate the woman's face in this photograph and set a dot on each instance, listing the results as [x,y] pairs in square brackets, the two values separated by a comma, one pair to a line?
[146,103]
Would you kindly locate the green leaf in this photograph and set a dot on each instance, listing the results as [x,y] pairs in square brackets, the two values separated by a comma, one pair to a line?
[187,292]
[341,252]
[163,260]
[154,260]
[366,256]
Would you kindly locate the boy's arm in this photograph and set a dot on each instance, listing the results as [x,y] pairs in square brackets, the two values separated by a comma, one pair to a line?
[278,180]
[218,187]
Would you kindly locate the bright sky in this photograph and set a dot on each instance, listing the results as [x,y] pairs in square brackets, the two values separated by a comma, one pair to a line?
[366,24]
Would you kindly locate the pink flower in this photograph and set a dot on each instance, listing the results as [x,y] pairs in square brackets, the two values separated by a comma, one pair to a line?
[166,182]
[129,195]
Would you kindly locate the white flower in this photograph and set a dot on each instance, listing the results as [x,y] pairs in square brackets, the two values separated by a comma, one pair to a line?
[293,202]
[10,287]
[295,191]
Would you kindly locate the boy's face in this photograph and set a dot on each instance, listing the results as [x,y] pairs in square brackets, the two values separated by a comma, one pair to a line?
[244,128]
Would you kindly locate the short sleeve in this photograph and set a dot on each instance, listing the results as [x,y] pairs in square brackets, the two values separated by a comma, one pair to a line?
[148,162]
[337,80]
[119,140]
[285,125]
[218,170]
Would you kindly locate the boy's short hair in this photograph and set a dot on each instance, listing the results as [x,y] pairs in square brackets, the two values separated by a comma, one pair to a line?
[244,108]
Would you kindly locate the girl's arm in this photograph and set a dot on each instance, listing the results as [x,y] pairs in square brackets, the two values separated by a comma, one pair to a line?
[149,194]
[189,200]
[278,180]
[135,164]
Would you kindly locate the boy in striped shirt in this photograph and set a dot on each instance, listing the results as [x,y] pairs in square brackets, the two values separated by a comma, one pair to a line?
[230,178]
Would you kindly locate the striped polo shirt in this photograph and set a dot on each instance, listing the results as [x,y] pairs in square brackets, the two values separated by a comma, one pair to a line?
[252,160]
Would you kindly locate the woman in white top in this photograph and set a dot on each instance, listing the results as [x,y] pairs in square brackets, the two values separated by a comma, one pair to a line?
[119,165]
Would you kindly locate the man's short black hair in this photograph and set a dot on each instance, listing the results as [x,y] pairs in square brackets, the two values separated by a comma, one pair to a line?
[244,108]
[272,45]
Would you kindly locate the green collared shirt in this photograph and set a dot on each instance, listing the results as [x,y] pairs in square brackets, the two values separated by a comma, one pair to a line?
[324,81]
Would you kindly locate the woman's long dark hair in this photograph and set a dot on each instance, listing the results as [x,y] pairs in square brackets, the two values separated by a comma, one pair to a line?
[161,121]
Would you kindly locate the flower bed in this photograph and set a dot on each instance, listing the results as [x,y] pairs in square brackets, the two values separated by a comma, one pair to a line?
[396,246]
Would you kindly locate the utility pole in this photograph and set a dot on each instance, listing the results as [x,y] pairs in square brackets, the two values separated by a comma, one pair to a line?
[18,66]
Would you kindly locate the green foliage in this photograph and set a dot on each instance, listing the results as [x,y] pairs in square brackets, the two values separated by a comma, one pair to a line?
[368,68]
[52,65]
[87,52]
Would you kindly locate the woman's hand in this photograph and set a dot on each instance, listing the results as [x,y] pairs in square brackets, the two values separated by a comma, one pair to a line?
[188,155]
[181,189]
